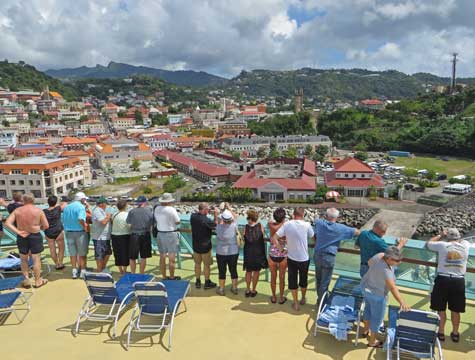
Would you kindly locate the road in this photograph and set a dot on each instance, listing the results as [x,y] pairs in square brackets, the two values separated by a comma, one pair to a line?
[400,223]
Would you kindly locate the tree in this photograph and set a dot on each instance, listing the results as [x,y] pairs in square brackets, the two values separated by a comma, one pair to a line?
[410,172]
[362,146]
[5,123]
[361,155]
[322,150]
[159,120]
[138,117]
[273,151]
[431,175]
[261,152]
[236,154]
[135,164]
[308,151]
[291,152]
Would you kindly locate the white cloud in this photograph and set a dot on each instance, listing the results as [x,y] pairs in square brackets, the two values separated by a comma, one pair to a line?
[226,36]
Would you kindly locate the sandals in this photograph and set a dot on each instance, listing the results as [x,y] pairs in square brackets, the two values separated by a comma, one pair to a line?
[455,337]
[60,267]
[441,336]
[302,301]
[247,293]
[43,283]
[273,299]
[253,294]
[283,301]
[378,345]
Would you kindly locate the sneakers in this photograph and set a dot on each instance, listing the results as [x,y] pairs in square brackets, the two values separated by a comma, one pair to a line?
[83,274]
[75,273]
[220,291]
[209,285]
[198,284]
[234,291]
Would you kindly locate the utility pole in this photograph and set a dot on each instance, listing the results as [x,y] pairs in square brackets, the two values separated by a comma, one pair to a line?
[454,72]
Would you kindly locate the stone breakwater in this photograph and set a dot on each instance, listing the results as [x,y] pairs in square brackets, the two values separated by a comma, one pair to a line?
[351,217]
[459,214]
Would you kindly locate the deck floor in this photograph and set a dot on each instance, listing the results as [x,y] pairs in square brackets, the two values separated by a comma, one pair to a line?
[229,327]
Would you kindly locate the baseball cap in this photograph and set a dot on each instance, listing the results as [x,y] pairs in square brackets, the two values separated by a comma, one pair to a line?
[141,199]
[102,200]
[80,196]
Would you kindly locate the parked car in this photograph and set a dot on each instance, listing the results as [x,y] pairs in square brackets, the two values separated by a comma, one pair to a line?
[144,178]
[441,177]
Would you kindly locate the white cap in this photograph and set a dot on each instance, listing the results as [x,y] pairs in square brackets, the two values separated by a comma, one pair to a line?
[80,196]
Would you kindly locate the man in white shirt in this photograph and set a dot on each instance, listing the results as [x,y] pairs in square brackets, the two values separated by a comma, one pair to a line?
[167,219]
[449,284]
[297,232]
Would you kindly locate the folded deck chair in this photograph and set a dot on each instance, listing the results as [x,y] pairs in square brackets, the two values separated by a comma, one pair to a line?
[159,300]
[103,293]
[345,291]
[10,264]
[413,332]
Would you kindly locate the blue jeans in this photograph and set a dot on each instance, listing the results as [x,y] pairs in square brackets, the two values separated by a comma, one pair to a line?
[324,264]
[374,311]
[363,270]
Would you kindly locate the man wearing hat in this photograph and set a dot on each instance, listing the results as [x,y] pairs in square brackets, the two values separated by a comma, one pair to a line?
[449,284]
[140,220]
[378,281]
[167,219]
[100,234]
[77,239]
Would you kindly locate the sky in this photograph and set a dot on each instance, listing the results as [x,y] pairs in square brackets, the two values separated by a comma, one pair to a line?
[224,37]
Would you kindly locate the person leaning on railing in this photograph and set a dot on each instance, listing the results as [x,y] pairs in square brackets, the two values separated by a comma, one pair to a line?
[449,284]
[371,242]
[378,281]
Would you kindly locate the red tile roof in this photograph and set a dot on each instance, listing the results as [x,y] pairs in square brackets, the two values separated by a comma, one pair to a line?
[249,181]
[351,164]
[332,181]
[203,167]
[371,102]
[309,167]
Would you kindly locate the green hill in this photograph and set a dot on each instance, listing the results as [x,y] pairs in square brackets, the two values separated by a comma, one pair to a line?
[118,70]
[23,76]
[338,84]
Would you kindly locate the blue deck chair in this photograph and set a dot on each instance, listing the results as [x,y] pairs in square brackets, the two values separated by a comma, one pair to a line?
[344,287]
[413,332]
[103,292]
[160,300]
[9,300]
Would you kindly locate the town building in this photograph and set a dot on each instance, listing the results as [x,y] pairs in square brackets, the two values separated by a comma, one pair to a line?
[158,141]
[371,104]
[42,176]
[280,179]
[233,127]
[25,150]
[123,123]
[353,177]
[192,167]
[121,153]
[8,137]
[251,144]
[85,161]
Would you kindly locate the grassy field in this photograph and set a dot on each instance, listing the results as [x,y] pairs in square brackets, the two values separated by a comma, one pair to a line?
[451,168]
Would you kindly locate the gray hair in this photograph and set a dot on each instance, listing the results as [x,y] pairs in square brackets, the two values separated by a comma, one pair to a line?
[28,198]
[380,225]
[393,253]
[332,213]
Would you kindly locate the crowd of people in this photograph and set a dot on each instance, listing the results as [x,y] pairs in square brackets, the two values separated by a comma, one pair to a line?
[127,234]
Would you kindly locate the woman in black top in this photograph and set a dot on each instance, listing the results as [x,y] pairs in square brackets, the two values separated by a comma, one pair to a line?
[54,234]
[254,251]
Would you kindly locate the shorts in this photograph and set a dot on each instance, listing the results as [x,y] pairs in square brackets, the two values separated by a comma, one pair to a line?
[32,243]
[78,242]
[374,311]
[120,247]
[277,259]
[206,258]
[448,291]
[53,233]
[168,242]
[297,274]
[140,244]
[102,248]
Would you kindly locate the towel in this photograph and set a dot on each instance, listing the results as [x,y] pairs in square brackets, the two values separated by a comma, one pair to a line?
[10,264]
[340,315]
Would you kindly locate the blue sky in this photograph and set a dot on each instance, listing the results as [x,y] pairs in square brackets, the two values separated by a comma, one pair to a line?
[227,36]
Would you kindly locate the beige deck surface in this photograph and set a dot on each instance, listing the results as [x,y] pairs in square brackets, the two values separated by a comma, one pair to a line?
[214,327]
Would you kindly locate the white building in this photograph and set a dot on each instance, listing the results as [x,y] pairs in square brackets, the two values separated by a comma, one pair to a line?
[42,176]
[8,137]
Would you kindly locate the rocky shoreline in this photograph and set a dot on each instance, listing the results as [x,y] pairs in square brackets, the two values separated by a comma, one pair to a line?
[352,217]
[459,213]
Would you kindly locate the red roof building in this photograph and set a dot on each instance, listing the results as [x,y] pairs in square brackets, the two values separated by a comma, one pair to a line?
[354,177]
[193,167]
[373,104]
[280,179]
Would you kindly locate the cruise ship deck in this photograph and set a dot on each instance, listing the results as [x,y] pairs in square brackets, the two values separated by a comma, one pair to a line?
[230,327]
